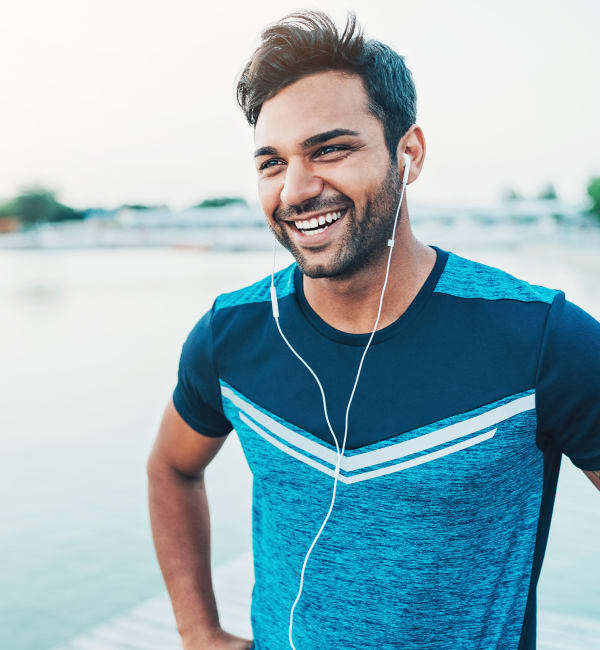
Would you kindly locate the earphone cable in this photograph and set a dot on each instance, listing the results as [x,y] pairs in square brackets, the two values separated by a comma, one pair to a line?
[340,454]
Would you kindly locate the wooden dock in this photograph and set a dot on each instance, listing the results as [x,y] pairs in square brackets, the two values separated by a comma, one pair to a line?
[151,625]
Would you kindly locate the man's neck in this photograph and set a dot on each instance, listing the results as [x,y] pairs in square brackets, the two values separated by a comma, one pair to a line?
[350,304]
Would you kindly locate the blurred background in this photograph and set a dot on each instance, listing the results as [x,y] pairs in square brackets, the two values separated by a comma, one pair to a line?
[128,202]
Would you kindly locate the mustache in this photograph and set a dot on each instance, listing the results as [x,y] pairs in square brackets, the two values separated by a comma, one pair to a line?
[312,205]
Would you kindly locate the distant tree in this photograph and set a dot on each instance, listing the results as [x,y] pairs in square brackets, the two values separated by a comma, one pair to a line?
[141,206]
[510,194]
[593,190]
[34,204]
[548,193]
[134,206]
[7,209]
[219,202]
[60,212]
[37,204]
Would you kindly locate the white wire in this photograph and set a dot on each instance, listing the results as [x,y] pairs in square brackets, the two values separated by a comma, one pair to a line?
[312,372]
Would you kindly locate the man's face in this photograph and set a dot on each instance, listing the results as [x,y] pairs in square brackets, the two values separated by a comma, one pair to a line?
[325,179]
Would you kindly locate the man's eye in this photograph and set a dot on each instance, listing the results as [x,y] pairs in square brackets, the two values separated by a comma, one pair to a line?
[267,164]
[328,148]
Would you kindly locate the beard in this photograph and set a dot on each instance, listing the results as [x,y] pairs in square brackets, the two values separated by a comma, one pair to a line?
[365,238]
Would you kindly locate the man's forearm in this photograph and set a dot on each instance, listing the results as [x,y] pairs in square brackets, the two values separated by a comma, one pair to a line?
[181,531]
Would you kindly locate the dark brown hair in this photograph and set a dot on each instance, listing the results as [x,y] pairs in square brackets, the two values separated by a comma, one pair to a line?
[307,42]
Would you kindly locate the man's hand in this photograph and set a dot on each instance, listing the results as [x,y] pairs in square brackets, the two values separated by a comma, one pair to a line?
[218,640]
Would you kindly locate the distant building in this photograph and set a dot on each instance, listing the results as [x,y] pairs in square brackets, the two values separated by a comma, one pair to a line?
[230,216]
[9,224]
[534,209]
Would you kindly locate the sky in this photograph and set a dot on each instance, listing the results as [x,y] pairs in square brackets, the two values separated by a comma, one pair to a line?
[128,101]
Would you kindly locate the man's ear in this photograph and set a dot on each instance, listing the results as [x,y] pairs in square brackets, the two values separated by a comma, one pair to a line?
[412,143]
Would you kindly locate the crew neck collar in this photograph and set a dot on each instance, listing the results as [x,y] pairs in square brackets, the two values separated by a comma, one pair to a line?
[385,333]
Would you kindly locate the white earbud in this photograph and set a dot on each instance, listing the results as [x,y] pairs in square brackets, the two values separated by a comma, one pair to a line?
[407,161]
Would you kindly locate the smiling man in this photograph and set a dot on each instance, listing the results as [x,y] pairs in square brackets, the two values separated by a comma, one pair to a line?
[401,498]
[330,197]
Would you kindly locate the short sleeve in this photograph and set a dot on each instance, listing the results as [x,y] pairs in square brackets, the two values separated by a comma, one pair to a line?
[197,396]
[568,384]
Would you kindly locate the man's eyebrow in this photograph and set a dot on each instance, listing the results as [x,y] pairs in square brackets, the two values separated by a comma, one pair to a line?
[309,142]
[265,151]
[326,135]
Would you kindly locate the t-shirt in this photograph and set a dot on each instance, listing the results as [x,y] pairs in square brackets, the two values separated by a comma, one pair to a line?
[464,406]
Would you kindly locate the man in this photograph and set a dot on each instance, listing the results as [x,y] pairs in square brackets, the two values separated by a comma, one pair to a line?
[474,385]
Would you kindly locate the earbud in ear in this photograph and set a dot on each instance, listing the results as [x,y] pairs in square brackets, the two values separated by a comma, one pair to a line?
[407,161]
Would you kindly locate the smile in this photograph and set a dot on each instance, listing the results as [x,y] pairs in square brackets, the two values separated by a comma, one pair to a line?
[317,225]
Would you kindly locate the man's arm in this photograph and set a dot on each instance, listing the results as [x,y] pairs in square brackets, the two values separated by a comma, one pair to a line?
[594,476]
[180,522]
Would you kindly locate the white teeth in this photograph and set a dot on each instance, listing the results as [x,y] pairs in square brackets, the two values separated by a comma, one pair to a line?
[314,222]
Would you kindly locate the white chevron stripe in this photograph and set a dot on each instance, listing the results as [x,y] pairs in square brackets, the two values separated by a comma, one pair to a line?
[365,476]
[425,458]
[391,452]
[288,450]
[314,448]
[441,436]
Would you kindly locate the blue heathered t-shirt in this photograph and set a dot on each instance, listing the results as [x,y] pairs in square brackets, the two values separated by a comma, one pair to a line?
[464,407]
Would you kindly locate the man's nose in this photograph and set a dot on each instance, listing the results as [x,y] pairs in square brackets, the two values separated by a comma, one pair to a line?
[300,184]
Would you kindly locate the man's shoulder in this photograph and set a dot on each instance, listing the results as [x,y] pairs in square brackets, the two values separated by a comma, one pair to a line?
[465,278]
[258,291]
